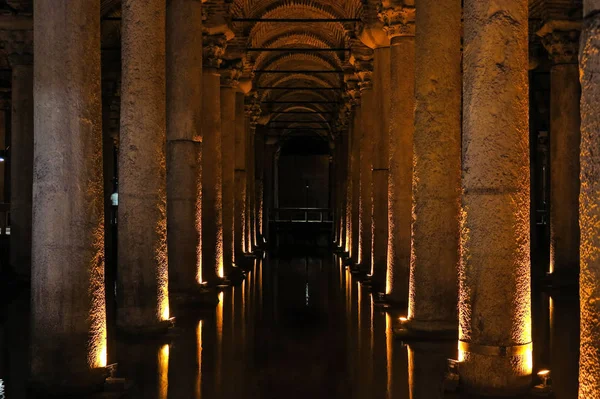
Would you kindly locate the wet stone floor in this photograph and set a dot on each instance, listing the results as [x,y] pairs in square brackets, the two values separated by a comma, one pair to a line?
[298,327]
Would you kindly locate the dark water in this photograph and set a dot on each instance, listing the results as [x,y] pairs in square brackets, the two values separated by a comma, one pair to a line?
[301,327]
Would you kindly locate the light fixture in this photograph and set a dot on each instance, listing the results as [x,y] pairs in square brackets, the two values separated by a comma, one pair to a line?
[545,388]
[3,154]
[452,377]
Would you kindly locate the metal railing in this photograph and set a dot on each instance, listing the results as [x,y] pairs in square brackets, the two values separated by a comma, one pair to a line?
[301,215]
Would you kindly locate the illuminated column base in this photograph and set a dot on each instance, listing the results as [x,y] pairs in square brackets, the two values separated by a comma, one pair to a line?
[494,275]
[589,209]
[142,284]
[366,172]
[355,184]
[68,330]
[184,132]
[433,293]
[240,177]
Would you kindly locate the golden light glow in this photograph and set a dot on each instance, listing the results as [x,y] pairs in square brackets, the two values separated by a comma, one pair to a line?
[411,371]
[389,351]
[97,355]
[543,373]
[162,260]
[199,360]
[163,372]
[461,354]
[221,271]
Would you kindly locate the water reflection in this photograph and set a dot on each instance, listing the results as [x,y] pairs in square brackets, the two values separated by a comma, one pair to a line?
[299,327]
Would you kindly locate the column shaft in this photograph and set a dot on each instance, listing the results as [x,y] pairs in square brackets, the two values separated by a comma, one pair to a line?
[22,169]
[228,104]
[184,132]
[402,56]
[355,186]
[381,88]
[212,194]
[494,275]
[436,181]
[589,206]
[143,265]
[240,176]
[366,180]
[67,287]
[259,163]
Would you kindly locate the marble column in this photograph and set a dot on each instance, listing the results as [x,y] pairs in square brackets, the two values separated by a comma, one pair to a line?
[399,21]
[495,348]
[142,283]
[368,120]
[67,284]
[240,177]
[561,39]
[355,182]
[229,82]
[212,172]
[184,133]
[382,89]
[343,181]
[589,202]
[433,292]
[21,156]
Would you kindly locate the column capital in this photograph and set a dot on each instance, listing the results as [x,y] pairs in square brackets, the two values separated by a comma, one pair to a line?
[213,50]
[231,72]
[252,109]
[352,91]
[561,40]
[398,20]
[364,71]
[18,46]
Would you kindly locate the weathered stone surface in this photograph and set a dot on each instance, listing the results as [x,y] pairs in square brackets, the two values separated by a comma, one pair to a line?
[589,211]
[494,276]
[436,167]
[240,176]
[67,289]
[143,261]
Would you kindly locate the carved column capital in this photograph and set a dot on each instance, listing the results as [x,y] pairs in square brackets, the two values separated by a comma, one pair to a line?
[352,92]
[213,50]
[561,40]
[364,71]
[18,46]
[398,20]
[231,72]
[252,109]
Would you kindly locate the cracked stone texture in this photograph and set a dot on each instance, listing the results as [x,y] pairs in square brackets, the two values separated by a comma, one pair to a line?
[437,161]
[494,276]
[589,210]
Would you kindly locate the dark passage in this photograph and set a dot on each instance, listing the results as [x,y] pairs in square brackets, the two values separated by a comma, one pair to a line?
[298,327]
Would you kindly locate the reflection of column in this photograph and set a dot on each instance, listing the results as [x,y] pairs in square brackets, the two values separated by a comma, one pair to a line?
[436,167]
[399,22]
[21,148]
[212,194]
[564,345]
[366,166]
[381,89]
[561,39]
[589,207]
[240,176]
[229,82]
[184,131]
[67,287]
[143,274]
[427,365]
[494,298]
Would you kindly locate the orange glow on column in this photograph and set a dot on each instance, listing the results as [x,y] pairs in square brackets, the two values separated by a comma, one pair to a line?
[97,356]
[163,263]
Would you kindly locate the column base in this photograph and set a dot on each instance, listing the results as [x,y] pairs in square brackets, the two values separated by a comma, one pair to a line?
[425,330]
[201,296]
[78,384]
[157,329]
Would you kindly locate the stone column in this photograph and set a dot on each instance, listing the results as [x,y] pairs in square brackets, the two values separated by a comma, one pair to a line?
[433,290]
[561,39]
[382,88]
[368,120]
[259,176]
[212,193]
[229,82]
[399,20]
[67,284]
[269,176]
[240,177]
[143,265]
[589,202]
[184,134]
[21,151]
[355,181]
[343,182]
[495,347]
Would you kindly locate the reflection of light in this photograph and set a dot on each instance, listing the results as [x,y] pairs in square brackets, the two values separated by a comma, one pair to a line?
[163,372]
[411,371]
[389,339]
[306,294]
[199,359]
